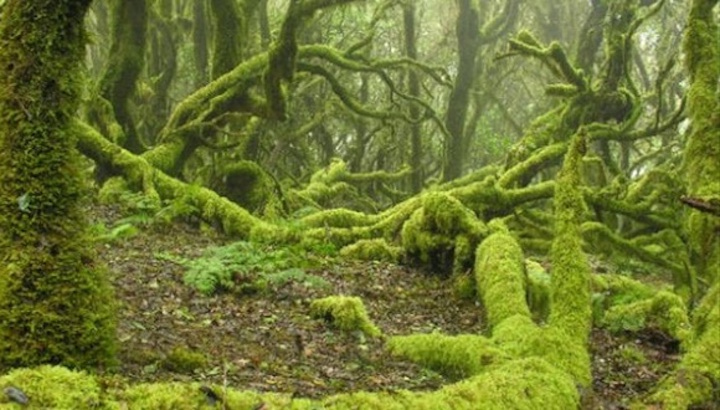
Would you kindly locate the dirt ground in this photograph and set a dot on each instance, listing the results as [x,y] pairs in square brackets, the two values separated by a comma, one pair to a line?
[268,342]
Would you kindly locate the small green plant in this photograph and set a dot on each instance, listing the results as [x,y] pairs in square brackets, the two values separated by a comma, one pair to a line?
[245,267]
[119,231]
[632,354]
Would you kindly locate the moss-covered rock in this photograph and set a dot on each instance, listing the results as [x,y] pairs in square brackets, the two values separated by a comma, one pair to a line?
[346,312]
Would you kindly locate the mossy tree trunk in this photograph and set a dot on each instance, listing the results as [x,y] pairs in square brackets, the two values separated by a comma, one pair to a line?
[164,36]
[125,62]
[702,154]
[200,43]
[55,303]
[468,36]
[471,35]
[696,379]
[228,25]
[416,178]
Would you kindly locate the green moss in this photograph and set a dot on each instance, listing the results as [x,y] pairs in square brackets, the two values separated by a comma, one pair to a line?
[346,313]
[701,166]
[433,232]
[163,396]
[184,360]
[338,218]
[530,384]
[538,290]
[571,301]
[664,311]
[464,286]
[248,185]
[455,356]
[372,250]
[227,40]
[500,277]
[56,304]
[526,384]
[519,337]
[50,387]
[632,355]
[695,381]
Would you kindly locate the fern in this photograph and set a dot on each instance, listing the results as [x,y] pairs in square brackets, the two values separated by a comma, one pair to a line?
[245,267]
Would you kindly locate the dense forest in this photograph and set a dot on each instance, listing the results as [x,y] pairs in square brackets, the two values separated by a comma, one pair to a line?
[359,204]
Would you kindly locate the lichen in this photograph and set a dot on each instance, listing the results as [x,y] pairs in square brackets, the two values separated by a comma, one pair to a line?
[346,313]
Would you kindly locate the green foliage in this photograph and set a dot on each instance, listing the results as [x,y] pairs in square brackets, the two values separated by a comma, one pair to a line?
[246,267]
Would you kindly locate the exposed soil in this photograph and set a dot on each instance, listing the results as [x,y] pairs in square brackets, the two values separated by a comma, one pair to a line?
[268,341]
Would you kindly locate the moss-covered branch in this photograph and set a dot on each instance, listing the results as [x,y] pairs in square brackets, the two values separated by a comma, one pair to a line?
[571,311]
[216,210]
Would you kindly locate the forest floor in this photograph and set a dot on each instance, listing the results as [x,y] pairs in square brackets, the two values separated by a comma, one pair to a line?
[267,341]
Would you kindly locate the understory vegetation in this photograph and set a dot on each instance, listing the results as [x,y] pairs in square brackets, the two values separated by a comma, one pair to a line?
[260,204]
